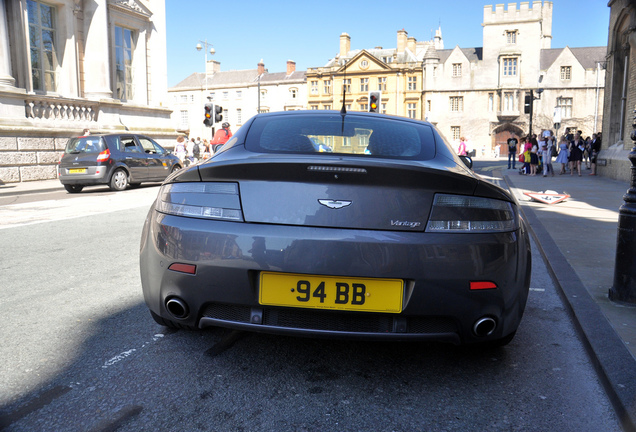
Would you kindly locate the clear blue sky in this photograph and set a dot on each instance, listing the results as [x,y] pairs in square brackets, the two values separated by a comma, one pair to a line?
[245,31]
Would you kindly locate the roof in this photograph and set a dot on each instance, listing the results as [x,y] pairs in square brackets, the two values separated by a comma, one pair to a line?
[587,56]
[234,78]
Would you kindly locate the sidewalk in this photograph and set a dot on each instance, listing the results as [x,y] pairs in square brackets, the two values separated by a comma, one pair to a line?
[8,189]
[577,238]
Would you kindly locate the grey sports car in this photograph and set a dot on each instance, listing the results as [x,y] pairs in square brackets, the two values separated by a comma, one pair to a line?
[388,236]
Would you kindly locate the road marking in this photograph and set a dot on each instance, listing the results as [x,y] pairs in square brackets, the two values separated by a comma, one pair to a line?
[15,215]
[125,354]
[537,289]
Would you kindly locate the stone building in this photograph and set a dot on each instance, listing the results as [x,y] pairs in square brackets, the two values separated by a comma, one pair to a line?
[475,92]
[70,65]
[620,90]
[241,94]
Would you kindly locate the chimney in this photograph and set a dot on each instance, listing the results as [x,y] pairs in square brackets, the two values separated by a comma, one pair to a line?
[402,36]
[291,67]
[212,67]
[261,67]
[345,44]
[412,44]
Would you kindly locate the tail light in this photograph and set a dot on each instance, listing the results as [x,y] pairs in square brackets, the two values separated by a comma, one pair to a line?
[470,214]
[201,200]
[103,156]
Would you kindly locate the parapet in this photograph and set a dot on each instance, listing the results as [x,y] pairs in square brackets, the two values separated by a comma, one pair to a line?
[540,10]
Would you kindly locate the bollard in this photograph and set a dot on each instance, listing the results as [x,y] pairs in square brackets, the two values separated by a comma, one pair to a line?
[624,288]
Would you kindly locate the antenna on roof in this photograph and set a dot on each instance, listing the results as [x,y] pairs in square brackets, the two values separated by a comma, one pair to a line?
[343,110]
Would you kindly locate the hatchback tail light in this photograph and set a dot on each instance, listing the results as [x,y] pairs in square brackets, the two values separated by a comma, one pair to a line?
[201,200]
[470,214]
[103,156]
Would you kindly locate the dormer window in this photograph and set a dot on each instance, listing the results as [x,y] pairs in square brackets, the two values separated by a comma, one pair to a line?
[511,37]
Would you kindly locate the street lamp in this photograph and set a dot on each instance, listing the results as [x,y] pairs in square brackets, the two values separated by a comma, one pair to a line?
[211,51]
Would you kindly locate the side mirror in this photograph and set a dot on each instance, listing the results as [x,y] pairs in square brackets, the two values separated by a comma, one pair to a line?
[467,160]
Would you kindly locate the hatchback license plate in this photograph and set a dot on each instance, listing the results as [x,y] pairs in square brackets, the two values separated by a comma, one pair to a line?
[77,171]
[331,292]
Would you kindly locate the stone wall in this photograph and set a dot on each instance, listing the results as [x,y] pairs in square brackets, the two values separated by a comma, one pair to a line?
[29,158]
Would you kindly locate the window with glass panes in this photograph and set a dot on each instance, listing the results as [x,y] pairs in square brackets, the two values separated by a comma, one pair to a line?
[509,101]
[491,101]
[566,72]
[327,87]
[412,83]
[510,66]
[364,84]
[239,116]
[566,107]
[364,107]
[456,132]
[314,87]
[123,64]
[457,69]
[511,37]
[347,85]
[456,103]
[184,119]
[42,43]
[411,110]
[382,84]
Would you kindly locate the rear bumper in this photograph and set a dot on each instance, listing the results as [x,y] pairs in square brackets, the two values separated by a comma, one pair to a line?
[437,270]
[93,175]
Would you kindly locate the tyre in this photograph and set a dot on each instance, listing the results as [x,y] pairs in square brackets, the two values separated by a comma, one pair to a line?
[119,180]
[175,169]
[170,324]
[73,188]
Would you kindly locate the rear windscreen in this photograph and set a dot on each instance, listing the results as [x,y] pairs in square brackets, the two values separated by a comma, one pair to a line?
[342,134]
[87,144]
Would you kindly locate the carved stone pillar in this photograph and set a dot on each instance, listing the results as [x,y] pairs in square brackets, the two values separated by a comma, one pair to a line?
[6,78]
[96,59]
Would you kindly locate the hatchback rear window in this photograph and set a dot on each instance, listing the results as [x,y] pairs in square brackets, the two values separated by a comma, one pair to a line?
[87,144]
[338,134]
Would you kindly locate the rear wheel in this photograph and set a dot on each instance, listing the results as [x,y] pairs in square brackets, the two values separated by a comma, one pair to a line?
[73,188]
[175,169]
[119,180]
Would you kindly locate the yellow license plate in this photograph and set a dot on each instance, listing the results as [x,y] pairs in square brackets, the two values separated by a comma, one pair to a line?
[77,171]
[331,292]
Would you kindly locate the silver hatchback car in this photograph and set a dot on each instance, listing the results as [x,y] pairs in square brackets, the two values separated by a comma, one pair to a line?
[388,236]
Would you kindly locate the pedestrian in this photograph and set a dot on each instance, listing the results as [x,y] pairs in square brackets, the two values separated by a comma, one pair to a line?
[190,151]
[595,148]
[562,157]
[548,145]
[221,136]
[179,148]
[497,151]
[206,149]
[512,150]
[86,132]
[577,147]
[534,160]
[461,150]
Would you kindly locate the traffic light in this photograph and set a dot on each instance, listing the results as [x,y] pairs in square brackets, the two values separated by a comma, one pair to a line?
[374,101]
[208,114]
[218,113]
[528,104]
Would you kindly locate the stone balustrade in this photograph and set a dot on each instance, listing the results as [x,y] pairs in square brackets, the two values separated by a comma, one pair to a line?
[49,108]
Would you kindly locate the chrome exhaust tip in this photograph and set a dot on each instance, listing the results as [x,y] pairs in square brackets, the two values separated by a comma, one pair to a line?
[177,307]
[484,326]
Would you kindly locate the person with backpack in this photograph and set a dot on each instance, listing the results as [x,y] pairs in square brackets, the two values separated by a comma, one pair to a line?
[221,137]
[512,150]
